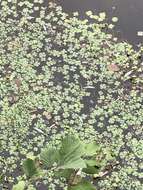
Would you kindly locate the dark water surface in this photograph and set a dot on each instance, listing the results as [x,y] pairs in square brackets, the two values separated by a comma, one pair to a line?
[129,12]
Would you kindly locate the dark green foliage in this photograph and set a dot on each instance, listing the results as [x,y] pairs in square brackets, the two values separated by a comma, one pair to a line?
[30,168]
[68,161]
[49,156]
[83,185]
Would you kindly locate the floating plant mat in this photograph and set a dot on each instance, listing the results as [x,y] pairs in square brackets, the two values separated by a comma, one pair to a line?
[60,73]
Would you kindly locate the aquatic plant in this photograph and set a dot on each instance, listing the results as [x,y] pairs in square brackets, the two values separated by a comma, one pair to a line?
[73,161]
[59,73]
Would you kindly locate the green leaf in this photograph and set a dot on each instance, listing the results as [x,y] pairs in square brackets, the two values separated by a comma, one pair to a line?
[75,163]
[70,153]
[29,167]
[91,149]
[115,19]
[49,156]
[102,15]
[83,185]
[89,13]
[31,187]
[91,170]
[1,178]
[92,162]
[67,157]
[93,167]
[71,144]
[64,173]
[31,156]
[19,186]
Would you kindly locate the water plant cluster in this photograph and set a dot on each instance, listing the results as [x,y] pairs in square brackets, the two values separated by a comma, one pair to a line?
[71,162]
[60,73]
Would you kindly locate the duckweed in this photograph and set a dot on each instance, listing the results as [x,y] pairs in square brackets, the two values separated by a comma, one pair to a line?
[60,73]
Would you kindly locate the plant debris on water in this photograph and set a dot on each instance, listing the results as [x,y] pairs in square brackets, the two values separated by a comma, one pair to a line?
[60,74]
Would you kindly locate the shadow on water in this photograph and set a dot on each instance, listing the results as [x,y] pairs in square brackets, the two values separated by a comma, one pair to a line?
[129,12]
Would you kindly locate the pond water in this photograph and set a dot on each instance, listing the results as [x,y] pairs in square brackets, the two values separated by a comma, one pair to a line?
[129,12]
[75,88]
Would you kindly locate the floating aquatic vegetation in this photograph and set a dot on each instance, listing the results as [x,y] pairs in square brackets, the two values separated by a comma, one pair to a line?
[115,19]
[59,73]
[73,160]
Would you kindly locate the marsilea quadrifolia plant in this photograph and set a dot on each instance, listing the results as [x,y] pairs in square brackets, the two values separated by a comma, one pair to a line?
[61,73]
